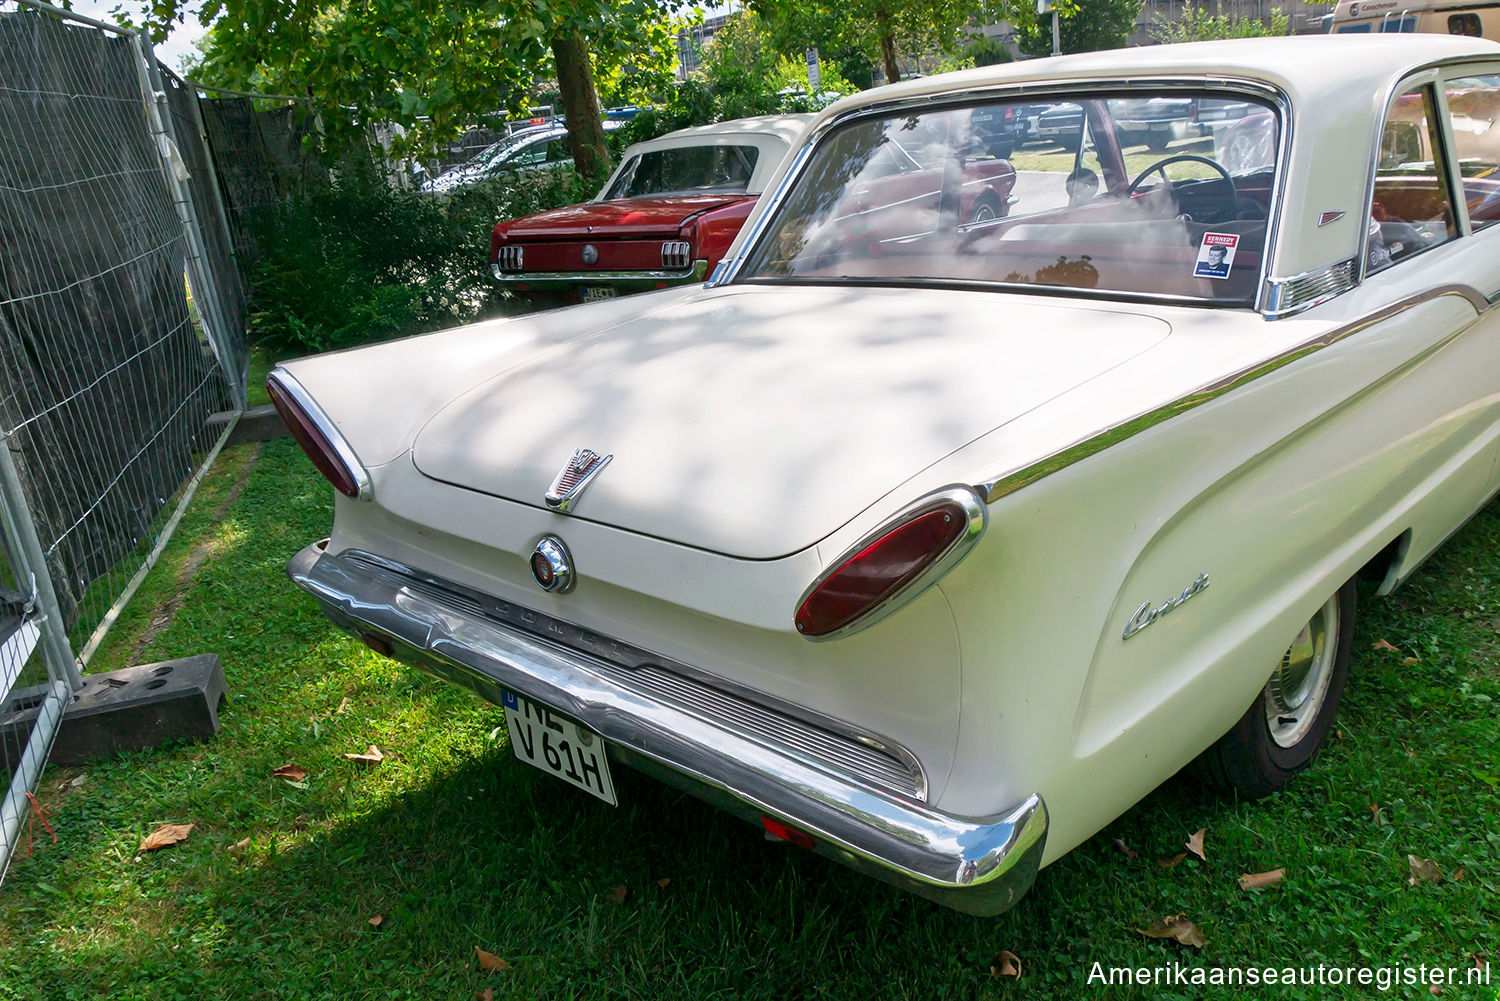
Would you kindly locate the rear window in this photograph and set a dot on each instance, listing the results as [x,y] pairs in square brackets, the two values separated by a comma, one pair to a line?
[1158,194]
[715,169]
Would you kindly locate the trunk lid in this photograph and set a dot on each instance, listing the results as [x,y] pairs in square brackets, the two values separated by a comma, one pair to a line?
[627,218]
[754,421]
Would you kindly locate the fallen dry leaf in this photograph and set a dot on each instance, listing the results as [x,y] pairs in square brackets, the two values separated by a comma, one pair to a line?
[1178,928]
[487,994]
[1005,964]
[290,772]
[1423,869]
[1383,645]
[490,961]
[1171,863]
[1480,960]
[370,757]
[1125,849]
[165,836]
[663,882]
[377,920]
[618,893]
[343,704]
[1194,844]
[1434,989]
[1458,875]
[1409,661]
[239,847]
[1374,813]
[1260,880]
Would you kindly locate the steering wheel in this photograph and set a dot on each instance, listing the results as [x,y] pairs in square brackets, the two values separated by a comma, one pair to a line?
[1160,167]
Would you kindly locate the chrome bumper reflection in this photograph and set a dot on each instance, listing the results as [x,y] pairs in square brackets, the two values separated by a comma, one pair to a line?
[981,865]
[635,281]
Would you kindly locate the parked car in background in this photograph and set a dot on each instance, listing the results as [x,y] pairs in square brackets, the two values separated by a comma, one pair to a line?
[538,147]
[933,553]
[665,217]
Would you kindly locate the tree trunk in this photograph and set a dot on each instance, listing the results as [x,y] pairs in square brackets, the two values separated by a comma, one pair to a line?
[575,85]
[887,33]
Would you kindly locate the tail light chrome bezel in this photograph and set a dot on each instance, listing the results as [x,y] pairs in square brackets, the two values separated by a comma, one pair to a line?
[300,412]
[677,255]
[510,259]
[961,499]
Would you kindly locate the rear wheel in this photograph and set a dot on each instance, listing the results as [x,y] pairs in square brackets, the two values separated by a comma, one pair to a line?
[1282,730]
[986,208]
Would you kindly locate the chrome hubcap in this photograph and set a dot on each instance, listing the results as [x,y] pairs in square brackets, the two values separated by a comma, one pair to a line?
[1299,685]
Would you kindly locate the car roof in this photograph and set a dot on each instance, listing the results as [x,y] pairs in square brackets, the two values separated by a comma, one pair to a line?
[787,128]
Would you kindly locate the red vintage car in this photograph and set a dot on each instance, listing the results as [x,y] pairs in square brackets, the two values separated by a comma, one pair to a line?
[665,217]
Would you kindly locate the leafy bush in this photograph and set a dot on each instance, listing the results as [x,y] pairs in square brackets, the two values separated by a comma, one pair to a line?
[357,261]
[1198,25]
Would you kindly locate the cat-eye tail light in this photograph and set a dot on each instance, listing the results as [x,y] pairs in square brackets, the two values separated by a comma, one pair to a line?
[893,564]
[318,436]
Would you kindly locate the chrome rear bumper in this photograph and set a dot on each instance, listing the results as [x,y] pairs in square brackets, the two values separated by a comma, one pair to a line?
[624,281]
[981,865]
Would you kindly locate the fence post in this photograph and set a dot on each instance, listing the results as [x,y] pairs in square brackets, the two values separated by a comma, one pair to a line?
[209,302]
[20,532]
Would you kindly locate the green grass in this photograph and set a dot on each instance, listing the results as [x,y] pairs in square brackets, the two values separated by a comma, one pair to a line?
[456,845]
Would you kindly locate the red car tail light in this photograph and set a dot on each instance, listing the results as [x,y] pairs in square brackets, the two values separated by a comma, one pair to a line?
[892,565]
[316,434]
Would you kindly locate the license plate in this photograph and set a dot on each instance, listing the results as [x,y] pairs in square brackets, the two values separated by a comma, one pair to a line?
[595,294]
[557,746]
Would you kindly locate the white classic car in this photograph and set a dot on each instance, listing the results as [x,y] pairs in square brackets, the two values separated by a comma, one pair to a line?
[933,542]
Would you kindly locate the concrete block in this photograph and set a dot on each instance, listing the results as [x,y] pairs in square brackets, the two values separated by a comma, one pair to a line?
[131,709]
[261,423]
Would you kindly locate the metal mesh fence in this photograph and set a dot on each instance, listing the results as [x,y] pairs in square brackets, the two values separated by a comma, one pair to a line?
[107,385]
[223,279]
[261,160]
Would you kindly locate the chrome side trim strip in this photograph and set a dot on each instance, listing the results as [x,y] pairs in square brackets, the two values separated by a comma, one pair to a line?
[549,279]
[1006,483]
[326,428]
[974,526]
[981,865]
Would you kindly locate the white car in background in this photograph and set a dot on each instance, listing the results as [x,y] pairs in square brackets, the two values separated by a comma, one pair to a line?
[931,541]
[526,150]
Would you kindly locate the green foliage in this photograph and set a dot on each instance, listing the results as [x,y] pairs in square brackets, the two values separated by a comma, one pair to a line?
[355,261]
[983,50]
[1083,25]
[430,66]
[851,31]
[742,74]
[1196,24]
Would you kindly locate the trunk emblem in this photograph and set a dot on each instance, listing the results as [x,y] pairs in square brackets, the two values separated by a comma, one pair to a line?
[590,254]
[552,565]
[582,466]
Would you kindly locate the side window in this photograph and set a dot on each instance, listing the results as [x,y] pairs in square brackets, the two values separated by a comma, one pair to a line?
[1412,209]
[530,154]
[1465,24]
[1474,117]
